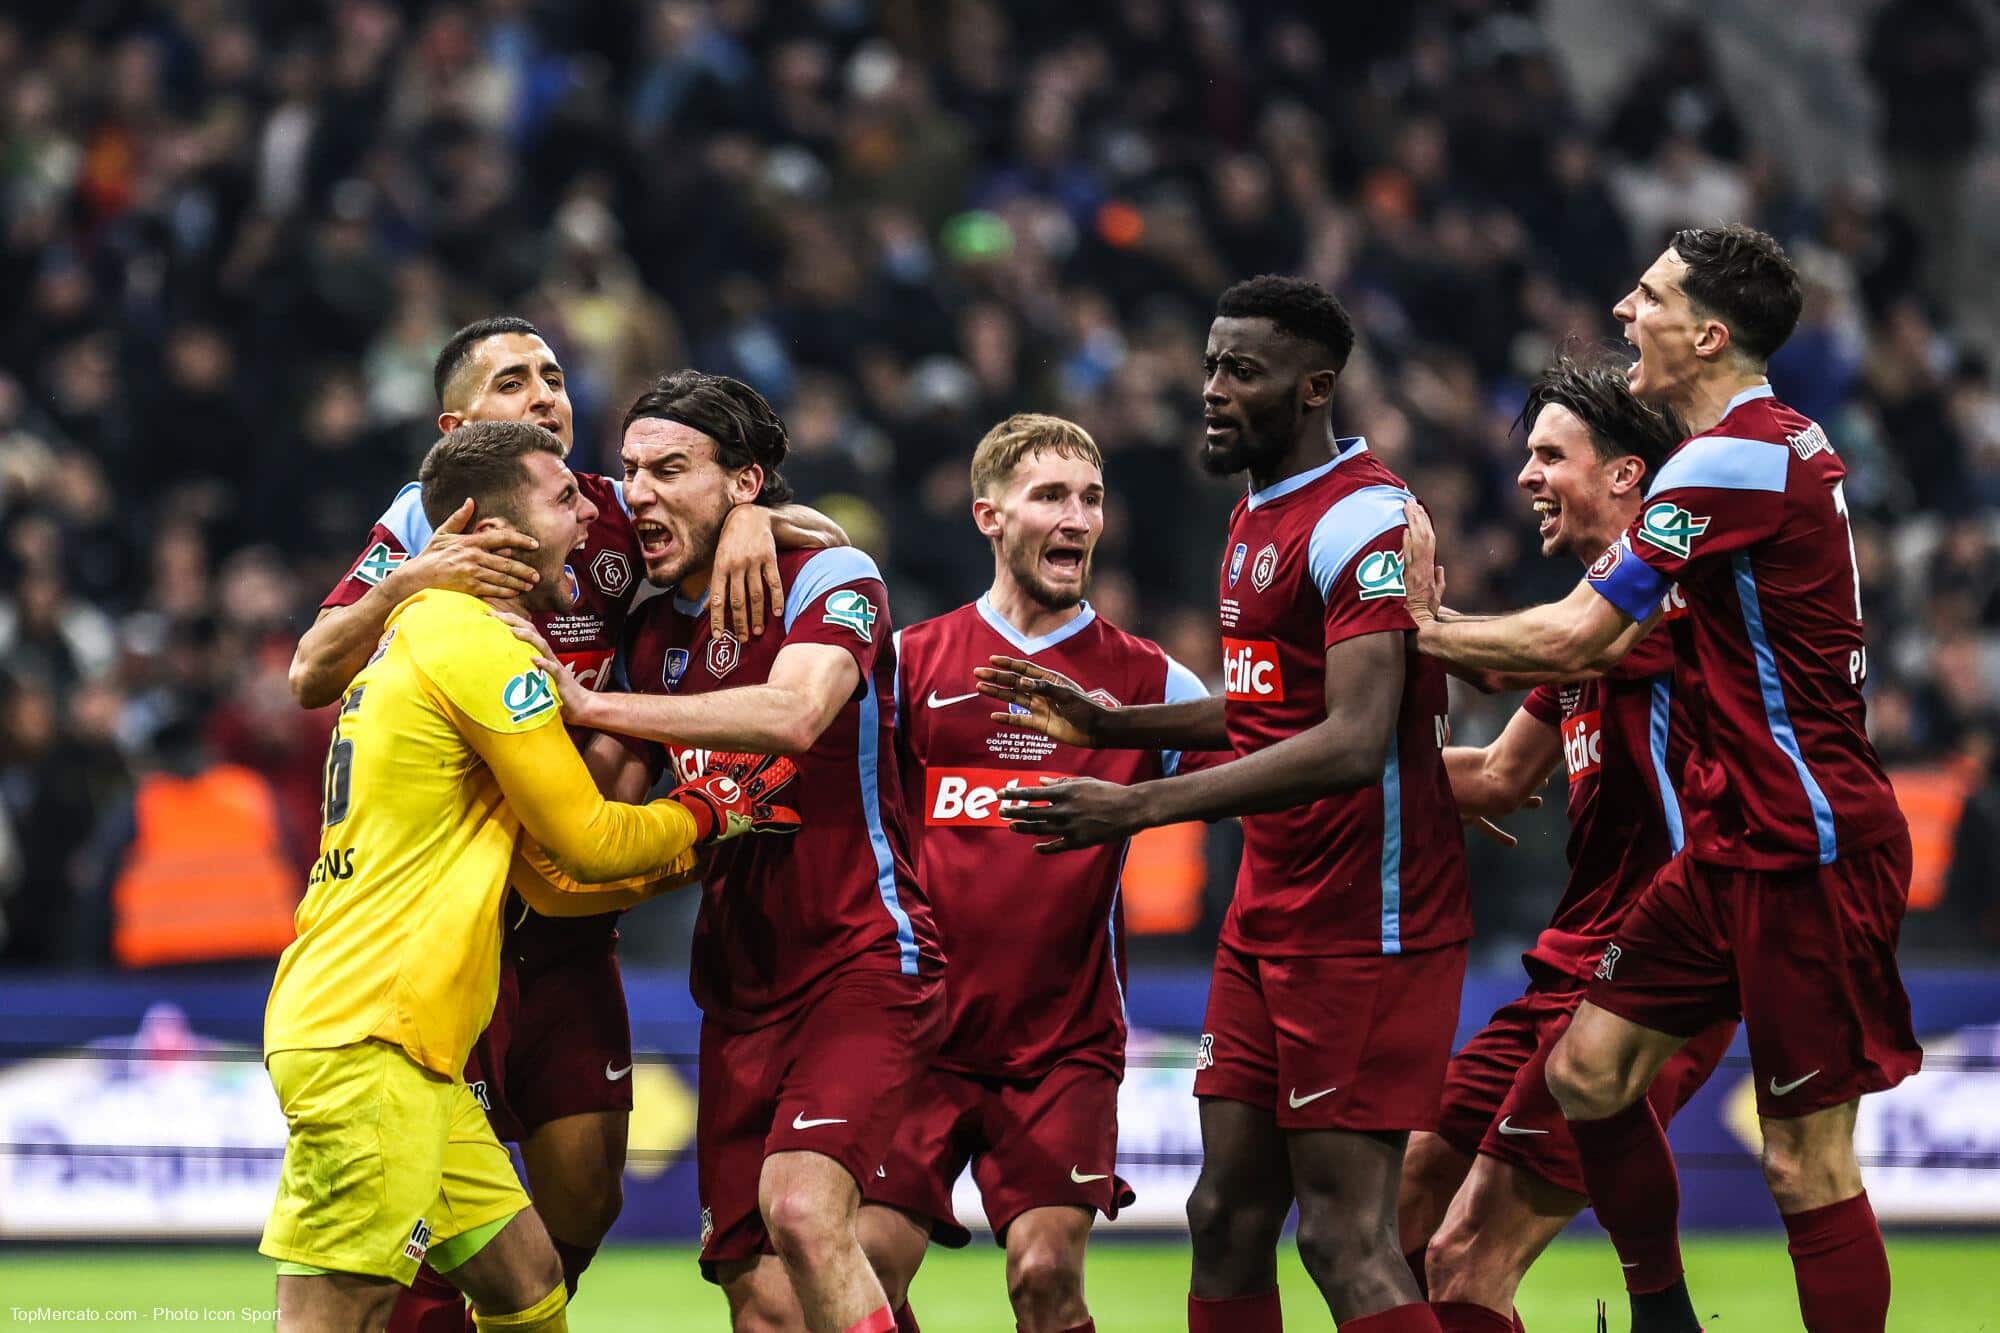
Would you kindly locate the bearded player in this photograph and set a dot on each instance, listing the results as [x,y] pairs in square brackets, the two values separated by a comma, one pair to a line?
[1335,991]
[554,1068]
[814,962]
[448,749]
[1025,1085]
[1500,1174]
[1786,903]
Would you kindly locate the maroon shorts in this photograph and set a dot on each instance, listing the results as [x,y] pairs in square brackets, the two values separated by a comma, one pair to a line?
[1807,957]
[1032,1143]
[832,1077]
[1332,1042]
[559,1042]
[1496,1092]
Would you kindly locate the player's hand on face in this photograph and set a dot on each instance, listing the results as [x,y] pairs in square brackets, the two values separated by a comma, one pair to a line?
[578,699]
[746,582]
[1072,812]
[1423,581]
[475,563]
[1056,707]
[524,630]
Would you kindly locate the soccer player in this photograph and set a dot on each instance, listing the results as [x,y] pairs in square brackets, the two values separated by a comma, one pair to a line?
[1336,983]
[814,961]
[1787,901]
[1025,1085]
[448,747]
[1502,1162]
[554,1067]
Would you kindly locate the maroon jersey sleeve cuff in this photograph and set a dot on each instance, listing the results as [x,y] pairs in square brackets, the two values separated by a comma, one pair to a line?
[377,562]
[1544,705]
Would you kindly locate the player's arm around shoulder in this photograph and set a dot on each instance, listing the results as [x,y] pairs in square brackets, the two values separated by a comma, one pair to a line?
[1498,778]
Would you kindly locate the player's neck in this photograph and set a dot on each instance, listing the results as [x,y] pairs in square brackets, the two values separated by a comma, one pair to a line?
[693,585]
[1708,398]
[511,605]
[1311,448]
[1029,617]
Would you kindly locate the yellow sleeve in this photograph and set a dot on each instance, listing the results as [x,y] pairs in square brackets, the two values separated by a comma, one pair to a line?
[475,661]
[552,893]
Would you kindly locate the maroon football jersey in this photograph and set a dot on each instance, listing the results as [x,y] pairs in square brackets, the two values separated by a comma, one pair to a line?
[779,915]
[1750,519]
[607,572]
[1625,737]
[1312,561]
[1037,942]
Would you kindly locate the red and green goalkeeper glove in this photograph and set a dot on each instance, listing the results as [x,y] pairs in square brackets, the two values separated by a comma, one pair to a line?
[732,797]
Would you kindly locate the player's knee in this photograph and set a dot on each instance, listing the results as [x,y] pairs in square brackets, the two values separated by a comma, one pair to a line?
[1802,1175]
[1445,1257]
[1585,1088]
[1043,1279]
[804,1232]
[1334,1241]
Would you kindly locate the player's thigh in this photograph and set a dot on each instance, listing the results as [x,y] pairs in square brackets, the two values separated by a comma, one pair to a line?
[1433,1169]
[334,1302]
[760,1296]
[1049,1243]
[895,1241]
[576,1168]
[1498,1224]
[1351,1175]
[512,1271]
[1244,1161]
[806,1198]
[1809,1160]
[1604,1062]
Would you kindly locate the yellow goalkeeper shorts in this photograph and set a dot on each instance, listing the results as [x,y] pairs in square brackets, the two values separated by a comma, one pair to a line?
[383,1160]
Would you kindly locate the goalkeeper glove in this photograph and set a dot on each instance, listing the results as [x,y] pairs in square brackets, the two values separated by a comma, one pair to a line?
[732,797]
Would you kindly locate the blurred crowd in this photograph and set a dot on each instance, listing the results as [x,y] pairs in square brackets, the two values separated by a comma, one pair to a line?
[235,235]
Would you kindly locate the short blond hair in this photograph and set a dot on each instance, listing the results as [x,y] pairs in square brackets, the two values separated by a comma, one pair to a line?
[1021,435]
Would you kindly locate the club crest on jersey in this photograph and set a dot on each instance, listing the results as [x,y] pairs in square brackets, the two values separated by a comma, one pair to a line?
[1236,562]
[1600,568]
[674,668]
[1104,699]
[1671,528]
[1380,575]
[1265,567]
[378,563]
[611,572]
[724,652]
[527,695]
[850,610]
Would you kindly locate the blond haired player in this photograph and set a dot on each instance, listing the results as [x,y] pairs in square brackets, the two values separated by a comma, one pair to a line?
[448,747]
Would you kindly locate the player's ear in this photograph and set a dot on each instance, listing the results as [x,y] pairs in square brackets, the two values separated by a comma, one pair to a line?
[449,422]
[747,484]
[986,517]
[1627,474]
[1711,339]
[1319,387]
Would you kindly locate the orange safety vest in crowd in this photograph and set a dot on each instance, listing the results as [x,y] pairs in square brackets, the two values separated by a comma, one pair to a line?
[1165,873]
[1933,800]
[206,876]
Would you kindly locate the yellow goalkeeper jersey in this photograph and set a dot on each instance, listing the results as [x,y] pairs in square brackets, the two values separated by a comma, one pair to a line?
[449,744]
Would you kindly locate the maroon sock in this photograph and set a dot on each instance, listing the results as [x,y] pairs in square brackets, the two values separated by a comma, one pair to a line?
[1237,1314]
[575,1258]
[1630,1172]
[1842,1269]
[1416,1317]
[1087,1326]
[906,1319]
[1415,1259]
[1468,1317]
[430,1304]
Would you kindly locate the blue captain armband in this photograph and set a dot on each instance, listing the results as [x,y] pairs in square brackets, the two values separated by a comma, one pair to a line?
[1627,582]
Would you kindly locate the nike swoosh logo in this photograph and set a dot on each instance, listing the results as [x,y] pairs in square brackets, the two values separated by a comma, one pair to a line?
[936,702]
[615,1074]
[799,1121]
[1082,1179]
[1506,1128]
[1298,1101]
[1780,1089]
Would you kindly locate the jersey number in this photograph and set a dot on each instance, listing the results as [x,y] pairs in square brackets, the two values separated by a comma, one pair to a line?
[337,783]
[1857,661]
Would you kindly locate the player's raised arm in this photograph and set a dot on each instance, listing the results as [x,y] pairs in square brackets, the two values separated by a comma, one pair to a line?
[479,563]
[1059,710]
[746,579]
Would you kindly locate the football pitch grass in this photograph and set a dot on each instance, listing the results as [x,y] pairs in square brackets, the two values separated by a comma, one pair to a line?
[1943,1284]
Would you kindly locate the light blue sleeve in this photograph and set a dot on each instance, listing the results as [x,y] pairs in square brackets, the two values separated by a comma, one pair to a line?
[1349,524]
[824,572]
[405,520]
[1182,686]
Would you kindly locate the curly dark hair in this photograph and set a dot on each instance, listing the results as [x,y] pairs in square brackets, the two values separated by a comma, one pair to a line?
[744,426]
[1744,278]
[1594,388]
[458,348]
[1297,308]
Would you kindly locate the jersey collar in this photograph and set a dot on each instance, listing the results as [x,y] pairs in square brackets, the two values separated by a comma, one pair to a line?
[690,608]
[1750,394]
[1342,451]
[1029,647]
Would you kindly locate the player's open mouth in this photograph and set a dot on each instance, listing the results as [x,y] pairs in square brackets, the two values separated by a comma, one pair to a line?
[1064,559]
[1550,513]
[654,540]
[1218,425]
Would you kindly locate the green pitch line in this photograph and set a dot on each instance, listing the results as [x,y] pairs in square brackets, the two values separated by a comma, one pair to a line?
[1942,1285]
